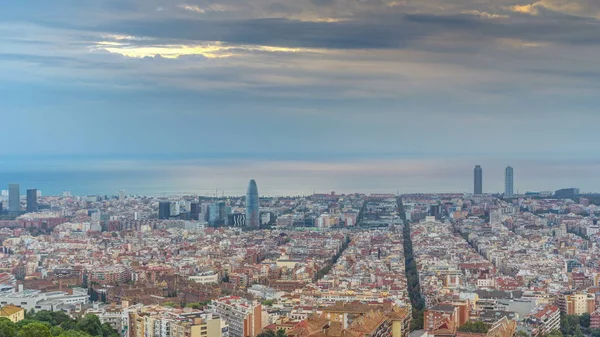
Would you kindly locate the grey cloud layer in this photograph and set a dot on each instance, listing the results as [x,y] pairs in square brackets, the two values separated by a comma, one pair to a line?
[376,69]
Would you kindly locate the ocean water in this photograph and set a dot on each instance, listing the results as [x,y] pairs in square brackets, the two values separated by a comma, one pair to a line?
[287,174]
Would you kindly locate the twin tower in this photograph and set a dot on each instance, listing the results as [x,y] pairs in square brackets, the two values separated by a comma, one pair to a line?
[508,181]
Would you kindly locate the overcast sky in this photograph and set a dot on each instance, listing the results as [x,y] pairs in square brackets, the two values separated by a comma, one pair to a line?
[469,80]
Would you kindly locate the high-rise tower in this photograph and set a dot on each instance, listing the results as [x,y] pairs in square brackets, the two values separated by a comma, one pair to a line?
[252,206]
[478,180]
[32,203]
[509,182]
[164,210]
[14,198]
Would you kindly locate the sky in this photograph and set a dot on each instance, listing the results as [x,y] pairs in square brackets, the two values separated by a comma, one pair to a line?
[397,94]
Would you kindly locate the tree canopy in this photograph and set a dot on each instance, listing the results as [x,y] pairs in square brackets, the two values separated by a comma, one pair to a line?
[477,327]
[56,324]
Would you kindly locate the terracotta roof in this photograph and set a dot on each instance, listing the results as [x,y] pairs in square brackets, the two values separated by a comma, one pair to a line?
[9,310]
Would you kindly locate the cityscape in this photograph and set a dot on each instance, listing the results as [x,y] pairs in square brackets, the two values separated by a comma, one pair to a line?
[397,265]
[299,168]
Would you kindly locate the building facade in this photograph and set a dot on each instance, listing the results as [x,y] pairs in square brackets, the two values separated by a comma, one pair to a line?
[577,303]
[243,317]
[509,181]
[478,180]
[13,313]
[252,206]
[14,198]
[32,203]
[164,210]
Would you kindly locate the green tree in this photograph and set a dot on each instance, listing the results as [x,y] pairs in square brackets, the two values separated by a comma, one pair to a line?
[69,324]
[477,327]
[90,324]
[34,330]
[584,320]
[268,333]
[194,305]
[30,313]
[45,316]
[8,328]
[595,332]
[555,333]
[56,330]
[569,325]
[74,333]
[280,333]
[24,322]
[108,331]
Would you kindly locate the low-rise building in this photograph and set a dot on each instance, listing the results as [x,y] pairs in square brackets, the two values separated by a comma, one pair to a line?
[13,313]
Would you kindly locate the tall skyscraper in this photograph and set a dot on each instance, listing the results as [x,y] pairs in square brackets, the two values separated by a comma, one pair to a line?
[164,210]
[32,204]
[194,211]
[14,198]
[478,180]
[509,183]
[252,206]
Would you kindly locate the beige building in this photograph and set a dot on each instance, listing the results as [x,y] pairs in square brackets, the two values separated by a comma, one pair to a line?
[577,303]
[151,321]
[14,313]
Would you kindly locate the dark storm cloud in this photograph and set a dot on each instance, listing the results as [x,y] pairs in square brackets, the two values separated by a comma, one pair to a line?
[387,32]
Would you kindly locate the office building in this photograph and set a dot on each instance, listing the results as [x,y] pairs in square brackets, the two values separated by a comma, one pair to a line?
[164,210]
[236,220]
[14,198]
[567,193]
[175,209]
[509,182]
[32,204]
[252,206]
[194,211]
[218,213]
[478,180]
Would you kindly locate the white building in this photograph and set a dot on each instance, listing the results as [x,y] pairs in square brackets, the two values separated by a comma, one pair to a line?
[51,301]
[206,277]
[243,317]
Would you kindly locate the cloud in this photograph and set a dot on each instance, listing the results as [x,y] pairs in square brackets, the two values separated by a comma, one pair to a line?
[381,73]
[193,8]
[526,9]
[486,15]
[208,50]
